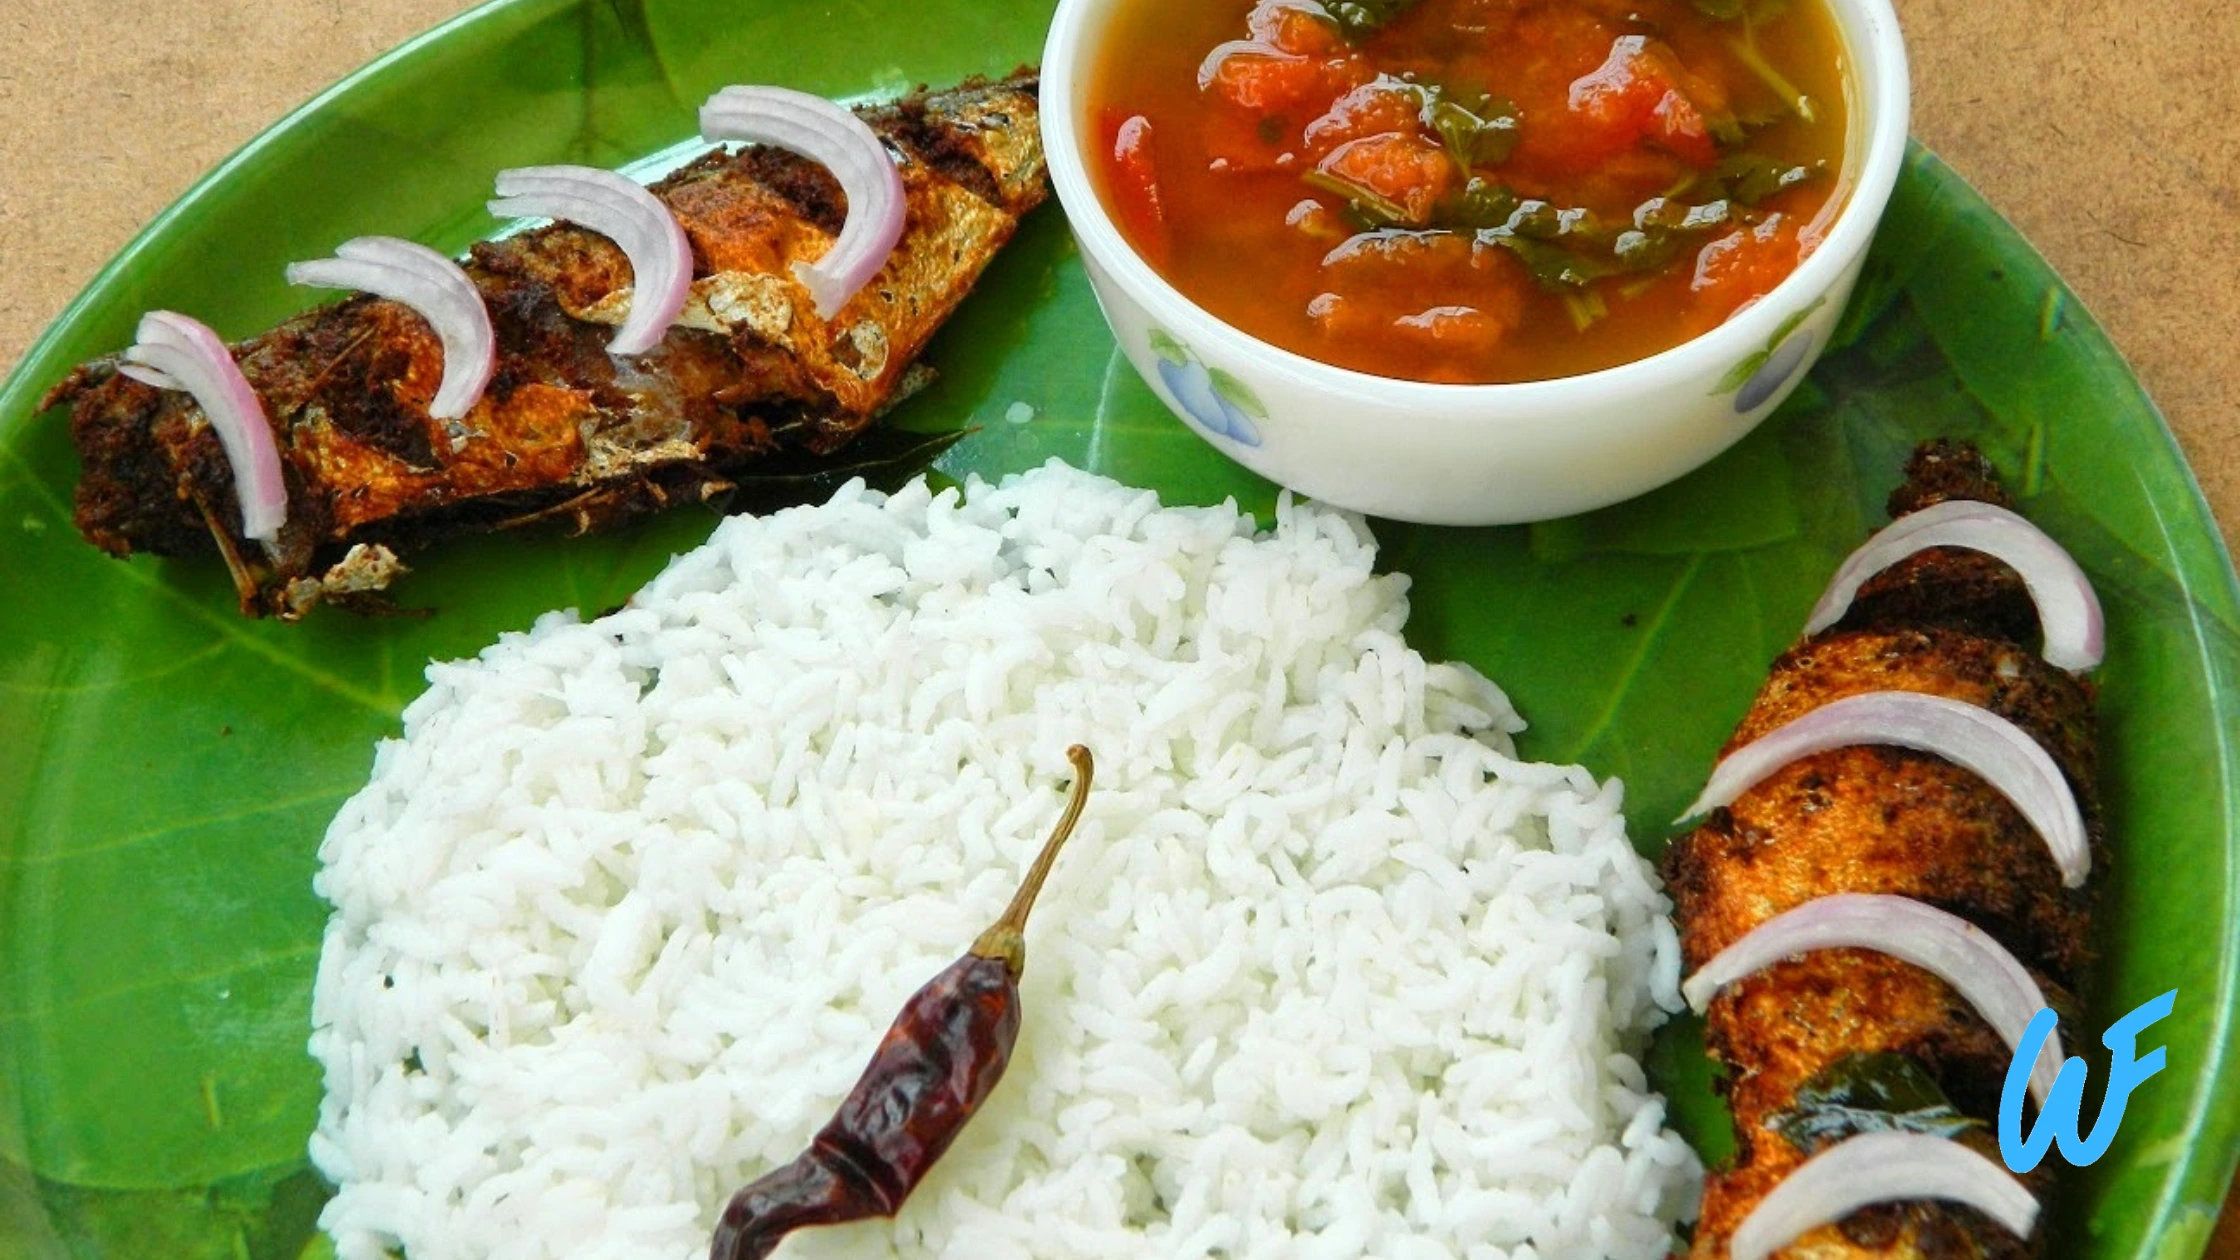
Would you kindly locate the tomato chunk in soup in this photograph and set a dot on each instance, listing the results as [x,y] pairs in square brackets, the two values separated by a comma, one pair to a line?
[1472,190]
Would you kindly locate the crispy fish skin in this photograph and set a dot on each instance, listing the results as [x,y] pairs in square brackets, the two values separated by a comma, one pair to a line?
[565,431]
[1881,820]
[1888,820]
[1780,1028]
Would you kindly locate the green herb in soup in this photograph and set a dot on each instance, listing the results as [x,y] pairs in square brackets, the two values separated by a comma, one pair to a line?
[1472,190]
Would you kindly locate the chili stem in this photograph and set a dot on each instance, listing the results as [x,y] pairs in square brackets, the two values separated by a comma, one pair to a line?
[1007,940]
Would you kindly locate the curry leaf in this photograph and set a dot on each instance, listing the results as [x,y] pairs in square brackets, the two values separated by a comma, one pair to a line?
[1757,12]
[1482,204]
[1868,1093]
[1370,210]
[1751,178]
[1552,266]
[1481,135]
[1360,19]
[1567,249]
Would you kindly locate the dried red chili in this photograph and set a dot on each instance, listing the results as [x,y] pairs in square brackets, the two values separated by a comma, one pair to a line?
[938,1062]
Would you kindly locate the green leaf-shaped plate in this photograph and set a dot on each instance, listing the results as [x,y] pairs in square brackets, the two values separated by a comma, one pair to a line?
[166,768]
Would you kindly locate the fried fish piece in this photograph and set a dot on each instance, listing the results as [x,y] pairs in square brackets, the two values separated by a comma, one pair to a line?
[1883,820]
[1872,819]
[567,432]
[1797,1020]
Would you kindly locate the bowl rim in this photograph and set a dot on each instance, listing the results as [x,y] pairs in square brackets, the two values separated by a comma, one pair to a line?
[1874,49]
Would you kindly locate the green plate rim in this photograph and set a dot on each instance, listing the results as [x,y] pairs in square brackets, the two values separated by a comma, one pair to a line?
[2210,1161]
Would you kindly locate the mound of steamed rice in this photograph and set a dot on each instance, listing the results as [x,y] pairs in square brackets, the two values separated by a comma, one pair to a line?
[1326,972]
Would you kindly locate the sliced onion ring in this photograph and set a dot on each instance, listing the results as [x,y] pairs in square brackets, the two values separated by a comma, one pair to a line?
[1881,1168]
[437,289]
[1975,739]
[660,254]
[2068,608]
[1955,950]
[831,134]
[174,352]
[148,376]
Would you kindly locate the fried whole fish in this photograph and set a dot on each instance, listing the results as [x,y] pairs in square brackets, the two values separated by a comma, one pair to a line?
[567,432]
[1947,622]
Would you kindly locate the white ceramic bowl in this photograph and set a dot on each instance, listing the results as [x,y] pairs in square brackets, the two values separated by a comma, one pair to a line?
[1477,454]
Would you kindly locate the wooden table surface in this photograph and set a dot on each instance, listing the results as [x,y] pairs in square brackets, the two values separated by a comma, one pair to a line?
[2104,131]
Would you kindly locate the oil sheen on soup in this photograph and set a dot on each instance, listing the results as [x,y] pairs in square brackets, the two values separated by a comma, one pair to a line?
[1472,190]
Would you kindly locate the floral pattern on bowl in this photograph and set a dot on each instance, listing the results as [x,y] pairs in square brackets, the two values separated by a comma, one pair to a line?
[1761,376]
[1214,400]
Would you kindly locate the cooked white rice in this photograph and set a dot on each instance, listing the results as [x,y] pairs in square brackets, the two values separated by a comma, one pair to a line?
[1326,971]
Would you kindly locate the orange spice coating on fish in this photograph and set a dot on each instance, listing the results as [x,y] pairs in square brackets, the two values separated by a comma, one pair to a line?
[567,432]
[1884,820]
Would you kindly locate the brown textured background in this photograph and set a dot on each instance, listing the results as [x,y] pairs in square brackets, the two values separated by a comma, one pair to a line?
[2106,131]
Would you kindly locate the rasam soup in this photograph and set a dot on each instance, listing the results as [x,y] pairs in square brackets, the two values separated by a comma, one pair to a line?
[1471,190]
